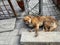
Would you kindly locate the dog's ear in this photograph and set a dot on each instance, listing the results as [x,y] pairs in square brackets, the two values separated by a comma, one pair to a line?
[30,16]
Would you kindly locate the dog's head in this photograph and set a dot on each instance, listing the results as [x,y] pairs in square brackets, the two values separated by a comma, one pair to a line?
[27,19]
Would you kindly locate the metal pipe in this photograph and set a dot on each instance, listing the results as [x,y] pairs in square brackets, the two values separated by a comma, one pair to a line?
[26,6]
[39,7]
[12,8]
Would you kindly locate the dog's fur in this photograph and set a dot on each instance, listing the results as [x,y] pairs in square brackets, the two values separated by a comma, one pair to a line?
[49,22]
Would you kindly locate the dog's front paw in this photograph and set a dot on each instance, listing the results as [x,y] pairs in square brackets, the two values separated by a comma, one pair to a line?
[36,35]
[30,30]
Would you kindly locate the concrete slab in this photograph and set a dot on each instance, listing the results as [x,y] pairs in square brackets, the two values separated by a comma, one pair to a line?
[9,38]
[28,37]
[7,24]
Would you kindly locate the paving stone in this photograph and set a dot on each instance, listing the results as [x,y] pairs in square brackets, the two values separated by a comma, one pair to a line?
[9,38]
[28,38]
[7,24]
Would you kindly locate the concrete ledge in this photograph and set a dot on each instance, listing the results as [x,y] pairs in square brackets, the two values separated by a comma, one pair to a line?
[7,24]
[43,37]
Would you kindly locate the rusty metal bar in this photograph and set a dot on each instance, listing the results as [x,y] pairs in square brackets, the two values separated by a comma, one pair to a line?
[12,8]
[26,6]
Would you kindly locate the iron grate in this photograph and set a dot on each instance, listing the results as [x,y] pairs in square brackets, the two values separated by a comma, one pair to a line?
[5,10]
[42,7]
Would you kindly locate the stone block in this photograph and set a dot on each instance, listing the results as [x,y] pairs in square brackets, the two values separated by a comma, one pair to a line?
[27,38]
[7,24]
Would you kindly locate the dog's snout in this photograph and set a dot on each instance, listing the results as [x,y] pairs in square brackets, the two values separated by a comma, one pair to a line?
[27,22]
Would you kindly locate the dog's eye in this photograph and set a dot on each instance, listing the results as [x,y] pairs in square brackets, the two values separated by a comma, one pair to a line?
[25,20]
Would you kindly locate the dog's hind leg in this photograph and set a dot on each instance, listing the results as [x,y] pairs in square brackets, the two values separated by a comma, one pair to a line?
[45,28]
[53,27]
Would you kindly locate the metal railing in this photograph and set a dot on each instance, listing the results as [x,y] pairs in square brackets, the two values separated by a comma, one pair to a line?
[44,7]
[37,7]
[7,9]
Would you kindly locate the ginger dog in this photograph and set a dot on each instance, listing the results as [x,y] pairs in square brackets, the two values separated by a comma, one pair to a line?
[37,21]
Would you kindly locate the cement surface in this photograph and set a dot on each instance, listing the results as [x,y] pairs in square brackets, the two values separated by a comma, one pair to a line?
[42,37]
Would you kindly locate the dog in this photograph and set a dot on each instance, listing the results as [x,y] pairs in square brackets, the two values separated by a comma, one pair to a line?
[37,21]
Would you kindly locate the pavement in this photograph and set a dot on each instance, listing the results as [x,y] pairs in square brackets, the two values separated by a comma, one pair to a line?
[10,38]
[13,37]
[42,37]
